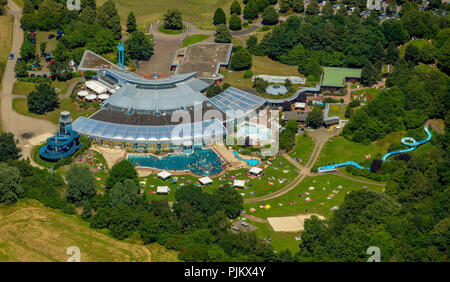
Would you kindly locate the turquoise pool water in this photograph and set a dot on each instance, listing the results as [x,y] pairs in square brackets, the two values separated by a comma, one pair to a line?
[201,161]
[254,130]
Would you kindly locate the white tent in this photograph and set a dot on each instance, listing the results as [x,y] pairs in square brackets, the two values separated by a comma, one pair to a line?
[255,170]
[164,190]
[300,105]
[96,86]
[91,97]
[164,175]
[103,96]
[83,93]
[239,183]
[205,180]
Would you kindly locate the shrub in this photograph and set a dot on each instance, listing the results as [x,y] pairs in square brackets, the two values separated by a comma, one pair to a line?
[248,74]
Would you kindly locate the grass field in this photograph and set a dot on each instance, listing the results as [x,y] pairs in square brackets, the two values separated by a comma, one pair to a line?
[419,43]
[20,106]
[303,148]
[337,110]
[318,196]
[260,65]
[192,39]
[198,12]
[339,149]
[31,232]
[278,174]
[286,240]
[24,87]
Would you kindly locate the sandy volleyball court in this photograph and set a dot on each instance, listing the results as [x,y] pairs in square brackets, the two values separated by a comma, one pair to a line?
[290,223]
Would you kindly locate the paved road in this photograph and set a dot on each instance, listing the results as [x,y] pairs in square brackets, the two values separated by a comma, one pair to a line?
[12,121]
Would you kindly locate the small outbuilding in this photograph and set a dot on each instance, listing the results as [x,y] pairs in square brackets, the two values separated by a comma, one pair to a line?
[255,170]
[205,180]
[239,183]
[163,190]
[164,175]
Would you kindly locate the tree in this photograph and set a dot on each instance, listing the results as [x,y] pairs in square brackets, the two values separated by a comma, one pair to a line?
[252,42]
[219,17]
[222,35]
[43,99]
[20,69]
[173,20]
[315,118]
[28,51]
[61,70]
[298,6]
[328,10]
[235,22]
[229,200]
[10,180]
[260,85]
[262,4]
[285,5]
[80,184]
[131,23]
[270,16]
[251,10]
[42,47]
[139,46]
[392,54]
[149,229]
[126,193]
[427,53]
[108,17]
[412,53]
[8,147]
[88,15]
[120,172]
[369,74]
[235,8]
[312,8]
[241,60]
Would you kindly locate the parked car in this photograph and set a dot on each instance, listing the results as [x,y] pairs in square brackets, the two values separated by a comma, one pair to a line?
[19,59]
[50,36]
[11,56]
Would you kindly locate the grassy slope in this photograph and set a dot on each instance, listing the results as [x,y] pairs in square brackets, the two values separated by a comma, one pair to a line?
[24,87]
[192,39]
[303,148]
[197,12]
[339,149]
[286,240]
[31,232]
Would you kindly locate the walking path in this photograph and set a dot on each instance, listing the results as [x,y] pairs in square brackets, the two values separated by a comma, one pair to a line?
[24,128]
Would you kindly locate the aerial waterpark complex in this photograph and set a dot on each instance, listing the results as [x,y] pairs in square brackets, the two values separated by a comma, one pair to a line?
[407,141]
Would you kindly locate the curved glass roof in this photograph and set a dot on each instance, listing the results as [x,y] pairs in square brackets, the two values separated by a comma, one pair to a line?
[135,133]
[133,78]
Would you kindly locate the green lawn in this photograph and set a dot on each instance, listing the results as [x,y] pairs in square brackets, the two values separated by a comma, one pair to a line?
[337,110]
[419,43]
[277,174]
[194,39]
[20,106]
[171,31]
[339,149]
[303,148]
[292,203]
[279,240]
[42,36]
[24,87]
[6,26]
[197,12]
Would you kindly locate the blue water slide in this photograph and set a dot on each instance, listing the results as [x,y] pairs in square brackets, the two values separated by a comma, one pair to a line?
[250,162]
[407,141]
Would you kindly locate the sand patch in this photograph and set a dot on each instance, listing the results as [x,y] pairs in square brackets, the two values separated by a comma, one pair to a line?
[290,223]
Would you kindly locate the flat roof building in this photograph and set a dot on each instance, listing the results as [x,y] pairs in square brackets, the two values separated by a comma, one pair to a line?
[335,78]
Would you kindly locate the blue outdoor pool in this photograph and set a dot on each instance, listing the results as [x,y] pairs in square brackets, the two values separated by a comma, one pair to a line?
[201,161]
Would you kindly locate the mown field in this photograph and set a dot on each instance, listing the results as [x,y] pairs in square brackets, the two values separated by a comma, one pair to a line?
[6,26]
[292,204]
[31,232]
[198,12]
